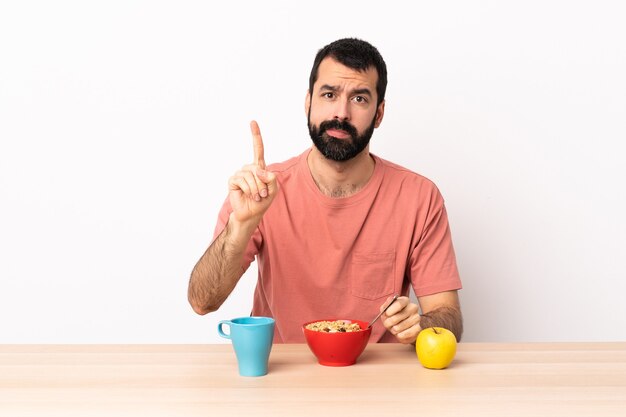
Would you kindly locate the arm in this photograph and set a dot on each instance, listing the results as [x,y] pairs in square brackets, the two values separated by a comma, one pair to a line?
[251,191]
[219,269]
[443,309]
[432,262]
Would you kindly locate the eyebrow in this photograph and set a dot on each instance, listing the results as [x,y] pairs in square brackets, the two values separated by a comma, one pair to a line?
[364,91]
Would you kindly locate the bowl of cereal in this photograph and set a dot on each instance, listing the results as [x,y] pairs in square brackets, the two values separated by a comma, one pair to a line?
[337,342]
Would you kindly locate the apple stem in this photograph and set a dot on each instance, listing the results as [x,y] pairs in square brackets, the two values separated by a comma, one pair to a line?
[435,330]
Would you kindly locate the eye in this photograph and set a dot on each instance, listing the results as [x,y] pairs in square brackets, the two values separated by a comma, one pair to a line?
[328,95]
[360,99]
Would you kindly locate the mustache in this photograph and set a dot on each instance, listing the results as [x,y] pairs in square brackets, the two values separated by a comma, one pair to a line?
[340,125]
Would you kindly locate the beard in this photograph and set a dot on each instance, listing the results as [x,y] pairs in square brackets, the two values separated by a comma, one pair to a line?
[339,150]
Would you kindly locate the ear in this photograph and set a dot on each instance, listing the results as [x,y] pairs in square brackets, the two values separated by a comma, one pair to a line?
[307,103]
[380,112]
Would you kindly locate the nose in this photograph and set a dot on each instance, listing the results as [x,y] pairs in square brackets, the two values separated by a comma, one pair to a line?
[342,110]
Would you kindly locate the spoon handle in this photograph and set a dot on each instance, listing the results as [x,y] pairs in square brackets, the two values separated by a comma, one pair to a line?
[395,297]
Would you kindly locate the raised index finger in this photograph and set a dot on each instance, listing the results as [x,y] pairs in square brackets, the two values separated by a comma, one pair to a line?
[257,141]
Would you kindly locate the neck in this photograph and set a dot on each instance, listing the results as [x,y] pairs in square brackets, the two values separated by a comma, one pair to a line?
[340,179]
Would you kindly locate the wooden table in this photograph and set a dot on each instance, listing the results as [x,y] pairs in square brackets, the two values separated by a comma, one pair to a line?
[582,379]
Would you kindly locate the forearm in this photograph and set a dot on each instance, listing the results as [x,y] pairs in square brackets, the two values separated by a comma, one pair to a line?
[447,317]
[219,269]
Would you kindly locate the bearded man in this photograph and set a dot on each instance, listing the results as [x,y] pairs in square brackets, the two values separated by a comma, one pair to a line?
[337,231]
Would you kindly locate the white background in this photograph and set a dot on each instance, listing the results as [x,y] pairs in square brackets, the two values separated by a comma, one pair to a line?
[120,123]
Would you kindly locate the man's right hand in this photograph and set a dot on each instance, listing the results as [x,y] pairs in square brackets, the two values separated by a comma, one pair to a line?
[252,189]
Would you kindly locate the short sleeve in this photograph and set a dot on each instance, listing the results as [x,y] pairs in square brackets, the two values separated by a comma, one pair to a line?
[433,267]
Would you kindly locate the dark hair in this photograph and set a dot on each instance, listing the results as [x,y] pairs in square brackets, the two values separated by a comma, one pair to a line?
[355,54]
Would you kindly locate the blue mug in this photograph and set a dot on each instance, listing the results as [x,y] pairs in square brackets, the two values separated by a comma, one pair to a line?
[252,339]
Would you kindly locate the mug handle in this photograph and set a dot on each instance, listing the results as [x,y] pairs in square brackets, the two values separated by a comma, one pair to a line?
[220,331]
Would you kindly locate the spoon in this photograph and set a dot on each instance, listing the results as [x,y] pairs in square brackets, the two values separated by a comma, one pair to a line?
[395,297]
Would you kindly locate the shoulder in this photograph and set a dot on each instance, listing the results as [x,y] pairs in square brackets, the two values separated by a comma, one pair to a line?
[397,174]
[286,167]
[411,193]
[289,171]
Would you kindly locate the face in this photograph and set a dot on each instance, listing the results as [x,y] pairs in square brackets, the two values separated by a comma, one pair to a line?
[341,110]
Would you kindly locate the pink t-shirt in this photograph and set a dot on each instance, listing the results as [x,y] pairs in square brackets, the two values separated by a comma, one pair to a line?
[340,258]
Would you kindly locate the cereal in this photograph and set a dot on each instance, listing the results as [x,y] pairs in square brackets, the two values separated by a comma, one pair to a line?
[337,326]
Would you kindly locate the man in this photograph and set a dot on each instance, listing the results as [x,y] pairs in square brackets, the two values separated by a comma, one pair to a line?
[337,231]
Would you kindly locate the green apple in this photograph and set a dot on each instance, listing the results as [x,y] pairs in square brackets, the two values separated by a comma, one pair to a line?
[435,347]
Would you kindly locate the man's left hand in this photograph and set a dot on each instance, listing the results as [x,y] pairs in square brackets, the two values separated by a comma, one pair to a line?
[402,319]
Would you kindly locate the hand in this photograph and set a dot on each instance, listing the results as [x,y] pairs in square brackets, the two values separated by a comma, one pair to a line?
[252,189]
[402,319]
